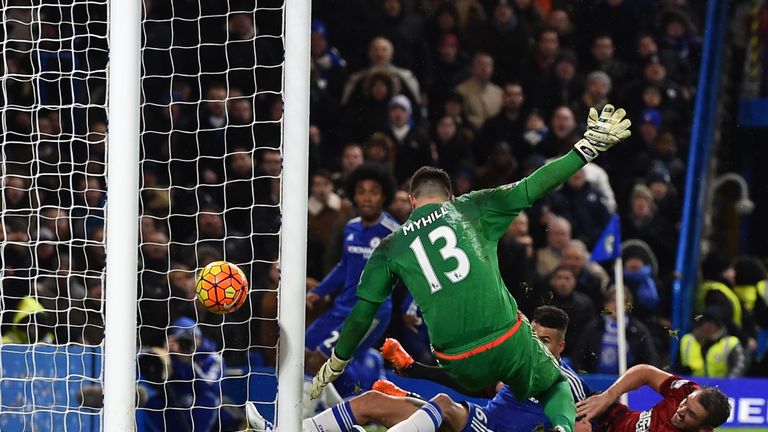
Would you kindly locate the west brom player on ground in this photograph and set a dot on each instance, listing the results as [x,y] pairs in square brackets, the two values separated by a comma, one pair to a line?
[371,188]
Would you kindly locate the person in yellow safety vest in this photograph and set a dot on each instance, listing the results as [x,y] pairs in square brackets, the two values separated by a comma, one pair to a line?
[750,286]
[26,324]
[715,292]
[710,351]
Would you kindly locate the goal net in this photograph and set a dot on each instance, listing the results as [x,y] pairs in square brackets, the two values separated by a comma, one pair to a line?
[210,188]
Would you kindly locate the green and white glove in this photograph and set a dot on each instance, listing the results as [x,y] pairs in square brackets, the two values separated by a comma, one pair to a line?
[329,371]
[603,132]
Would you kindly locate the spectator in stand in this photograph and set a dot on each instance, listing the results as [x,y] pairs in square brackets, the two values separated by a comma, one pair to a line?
[591,278]
[412,147]
[380,55]
[400,208]
[529,11]
[506,38]
[654,72]
[578,306]
[616,18]
[195,377]
[644,223]
[603,58]
[715,294]
[29,324]
[597,348]
[679,34]
[443,20]
[710,351]
[515,253]
[325,208]
[560,20]
[598,87]
[380,148]
[640,281]
[453,147]
[535,130]
[508,125]
[482,98]
[664,158]
[498,169]
[406,32]
[558,238]
[351,158]
[664,193]
[581,203]
[367,113]
[327,61]
[538,67]
[453,107]
[449,69]
[563,133]
[564,86]
[647,47]
[749,280]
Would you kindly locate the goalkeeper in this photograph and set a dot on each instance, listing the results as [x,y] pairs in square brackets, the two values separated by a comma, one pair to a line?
[445,253]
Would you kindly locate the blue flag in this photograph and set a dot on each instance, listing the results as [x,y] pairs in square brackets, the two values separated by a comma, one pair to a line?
[608,247]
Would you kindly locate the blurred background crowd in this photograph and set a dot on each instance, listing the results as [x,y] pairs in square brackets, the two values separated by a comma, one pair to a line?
[488,90]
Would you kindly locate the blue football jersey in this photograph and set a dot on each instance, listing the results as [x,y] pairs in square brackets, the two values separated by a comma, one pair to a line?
[511,415]
[359,243]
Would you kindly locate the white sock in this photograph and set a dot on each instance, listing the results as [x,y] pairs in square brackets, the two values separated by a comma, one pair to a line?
[336,419]
[427,419]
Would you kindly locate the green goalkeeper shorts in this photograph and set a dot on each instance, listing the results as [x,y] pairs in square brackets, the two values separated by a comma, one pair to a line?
[520,361]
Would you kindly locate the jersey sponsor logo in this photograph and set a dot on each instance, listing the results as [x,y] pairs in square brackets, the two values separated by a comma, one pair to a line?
[643,422]
[424,221]
[360,250]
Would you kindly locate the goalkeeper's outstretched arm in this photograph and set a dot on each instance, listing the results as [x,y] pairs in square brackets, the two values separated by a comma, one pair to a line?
[603,133]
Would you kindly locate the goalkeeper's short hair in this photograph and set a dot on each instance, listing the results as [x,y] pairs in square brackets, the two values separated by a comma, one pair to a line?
[375,172]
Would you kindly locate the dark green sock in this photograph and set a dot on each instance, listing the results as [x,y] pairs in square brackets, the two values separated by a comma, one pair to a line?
[559,406]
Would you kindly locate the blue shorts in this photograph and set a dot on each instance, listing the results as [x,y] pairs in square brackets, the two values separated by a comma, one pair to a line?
[324,332]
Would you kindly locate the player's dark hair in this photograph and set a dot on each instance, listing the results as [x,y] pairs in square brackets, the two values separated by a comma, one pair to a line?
[375,172]
[717,406]
[551,317]
[432,181]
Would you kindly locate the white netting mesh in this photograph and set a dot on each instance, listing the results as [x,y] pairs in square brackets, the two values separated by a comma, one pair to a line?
[53,187]
[211,119]
[210,168]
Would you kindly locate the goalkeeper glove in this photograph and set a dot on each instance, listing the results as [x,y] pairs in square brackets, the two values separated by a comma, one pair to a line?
[603,132]
[329,371]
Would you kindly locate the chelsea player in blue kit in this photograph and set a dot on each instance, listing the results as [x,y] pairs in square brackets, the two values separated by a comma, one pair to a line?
[371,188]
[503,413]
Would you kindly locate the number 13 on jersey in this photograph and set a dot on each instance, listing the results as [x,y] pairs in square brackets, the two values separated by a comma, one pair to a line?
[449,250]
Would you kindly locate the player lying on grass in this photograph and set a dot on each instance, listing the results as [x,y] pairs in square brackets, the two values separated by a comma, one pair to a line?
[503,413]
[686,405]
[445,253]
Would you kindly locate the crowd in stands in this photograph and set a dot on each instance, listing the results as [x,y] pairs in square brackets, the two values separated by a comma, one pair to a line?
[488,90]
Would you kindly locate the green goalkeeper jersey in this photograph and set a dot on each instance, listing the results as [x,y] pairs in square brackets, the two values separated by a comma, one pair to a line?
[446,255]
